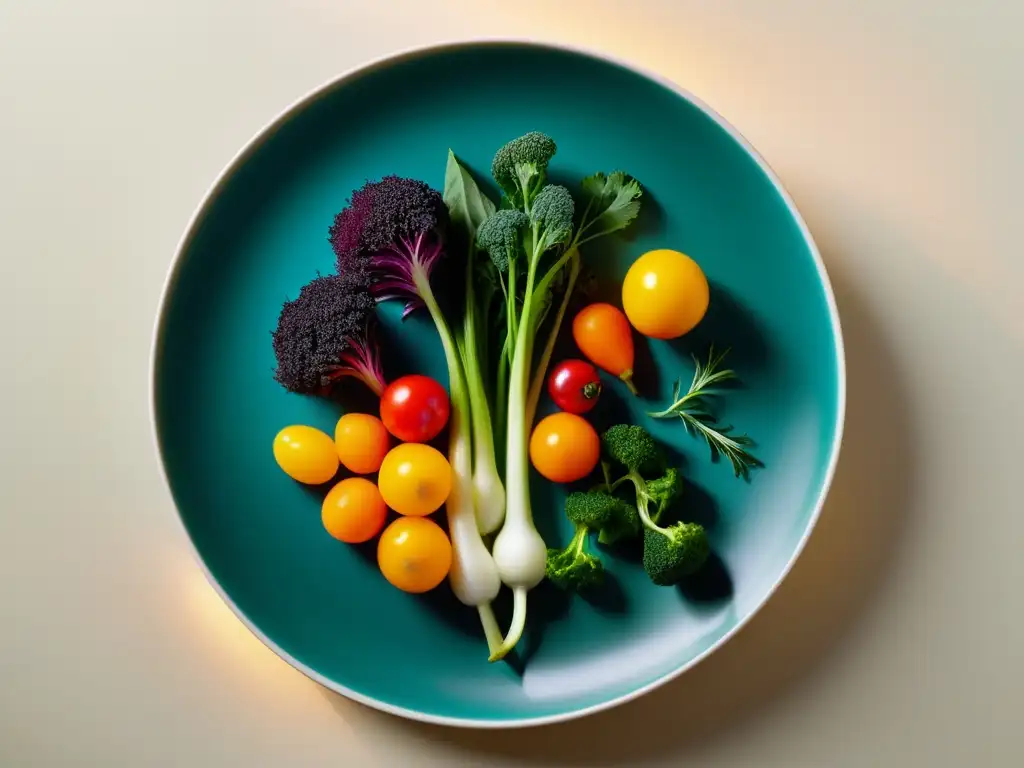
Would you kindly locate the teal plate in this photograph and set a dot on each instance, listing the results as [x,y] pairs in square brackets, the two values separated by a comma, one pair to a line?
[262,233]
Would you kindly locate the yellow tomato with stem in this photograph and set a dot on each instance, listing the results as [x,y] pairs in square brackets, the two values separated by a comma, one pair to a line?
[665,294]
[414,479]
[414,554]
[306,454]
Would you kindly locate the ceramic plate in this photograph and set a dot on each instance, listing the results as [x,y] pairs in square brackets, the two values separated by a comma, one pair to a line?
[261,234]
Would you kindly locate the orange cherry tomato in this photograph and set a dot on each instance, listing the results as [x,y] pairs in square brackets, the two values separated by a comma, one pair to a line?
[362,442]
[564,447]
[414,554]
[354,511]
[603,334]
[665,294]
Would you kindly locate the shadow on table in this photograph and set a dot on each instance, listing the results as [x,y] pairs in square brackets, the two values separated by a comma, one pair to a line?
[843,566]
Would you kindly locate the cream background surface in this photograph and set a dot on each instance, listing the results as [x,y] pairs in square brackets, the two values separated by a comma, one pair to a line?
[898,640]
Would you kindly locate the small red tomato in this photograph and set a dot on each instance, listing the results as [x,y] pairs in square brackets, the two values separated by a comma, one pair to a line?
[414,408]
[574,386]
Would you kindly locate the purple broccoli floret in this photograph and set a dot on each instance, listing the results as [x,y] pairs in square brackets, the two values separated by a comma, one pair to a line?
[328,333]
[395,228]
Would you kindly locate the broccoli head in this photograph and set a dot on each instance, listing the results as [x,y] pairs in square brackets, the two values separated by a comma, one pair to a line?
[612,517]
[501,235]
[327,333]
[573,567]
[394,230]
[632,447]
[625,524]
[594,509]
[520,167]
[552,213]
[671,554]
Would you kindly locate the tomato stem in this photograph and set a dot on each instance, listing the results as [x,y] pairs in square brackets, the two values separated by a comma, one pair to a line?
[627,379]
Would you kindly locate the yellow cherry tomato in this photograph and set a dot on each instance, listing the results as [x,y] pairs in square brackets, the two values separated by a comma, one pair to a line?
[306,454]
[362,442]
[665,294]
[353,511]
[564,447]
[414,479]
[414,554]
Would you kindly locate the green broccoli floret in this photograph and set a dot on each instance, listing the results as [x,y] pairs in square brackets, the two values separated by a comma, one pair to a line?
[612,517]
[551,216]
[520,167]
[573,567]
[592,509]
[665,491]
[633,448]
[501,235]
[671,554]
[625,524]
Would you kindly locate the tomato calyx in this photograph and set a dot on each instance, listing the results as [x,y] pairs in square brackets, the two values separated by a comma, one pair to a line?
[574,386]
[592,390]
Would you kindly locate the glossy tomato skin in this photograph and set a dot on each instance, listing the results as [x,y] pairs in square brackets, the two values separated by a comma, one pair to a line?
[665,294]
[564,448]
[414,554]
[306,454]
[605,338]
[574,386]
[414,408]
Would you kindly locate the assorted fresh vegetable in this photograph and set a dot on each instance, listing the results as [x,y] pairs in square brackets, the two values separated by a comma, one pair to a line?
[574,386]
[354,511]
[414,408]
[414,554]
[306,454]
[415,479]
[665,294]
[327,334]
[603,335]
[362,442]
[564,447]
[513,265]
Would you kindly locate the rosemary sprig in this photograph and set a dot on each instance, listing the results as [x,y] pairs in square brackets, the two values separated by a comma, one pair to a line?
[693,410]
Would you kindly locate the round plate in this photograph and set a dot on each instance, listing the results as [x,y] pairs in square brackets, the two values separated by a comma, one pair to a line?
[262,233]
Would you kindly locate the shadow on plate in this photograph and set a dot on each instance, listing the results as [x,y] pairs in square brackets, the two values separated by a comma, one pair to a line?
[728,325]
[843,566]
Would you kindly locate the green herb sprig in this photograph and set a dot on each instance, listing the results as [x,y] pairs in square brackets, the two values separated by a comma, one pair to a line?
[694,411]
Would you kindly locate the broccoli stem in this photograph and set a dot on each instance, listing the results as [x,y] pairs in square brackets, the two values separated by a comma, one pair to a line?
[511,305]
[642,502]
[579,539]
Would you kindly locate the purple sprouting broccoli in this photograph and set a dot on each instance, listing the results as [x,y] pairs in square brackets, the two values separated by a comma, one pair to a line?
[394,226]
[328,333]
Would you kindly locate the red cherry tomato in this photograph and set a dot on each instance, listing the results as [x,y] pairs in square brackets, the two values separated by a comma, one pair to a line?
[574,386]
[414,408]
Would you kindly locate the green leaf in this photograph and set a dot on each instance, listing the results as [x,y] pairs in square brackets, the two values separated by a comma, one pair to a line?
[467,205]
[612,202]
